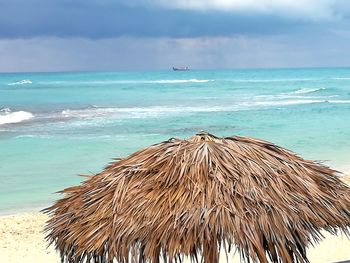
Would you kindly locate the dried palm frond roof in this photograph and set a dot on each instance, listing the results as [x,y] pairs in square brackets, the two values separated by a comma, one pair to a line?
[193,197]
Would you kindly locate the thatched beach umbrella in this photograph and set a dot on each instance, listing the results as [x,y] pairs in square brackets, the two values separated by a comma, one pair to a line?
[194,197]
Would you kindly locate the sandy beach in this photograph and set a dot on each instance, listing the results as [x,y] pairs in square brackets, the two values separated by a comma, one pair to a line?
[22,240]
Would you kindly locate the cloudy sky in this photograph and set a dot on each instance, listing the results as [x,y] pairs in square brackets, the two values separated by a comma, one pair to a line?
[70,35]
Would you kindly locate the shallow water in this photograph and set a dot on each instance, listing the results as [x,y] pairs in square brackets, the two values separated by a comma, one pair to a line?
[54,126]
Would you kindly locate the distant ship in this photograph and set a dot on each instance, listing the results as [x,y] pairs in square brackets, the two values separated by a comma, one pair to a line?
[181,69]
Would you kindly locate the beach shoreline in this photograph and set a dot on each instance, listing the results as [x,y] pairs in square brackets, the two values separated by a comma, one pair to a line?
[24,210]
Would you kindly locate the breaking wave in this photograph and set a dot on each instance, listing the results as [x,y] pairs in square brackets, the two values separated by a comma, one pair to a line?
[154,111]
[339,101]
[308,90]
[111,114]
[269,80]
[169,81]
[135,112]
[344,78]
[7,116]
[21,82]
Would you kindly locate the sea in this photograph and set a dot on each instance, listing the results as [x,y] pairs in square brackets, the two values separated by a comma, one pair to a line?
[57,126]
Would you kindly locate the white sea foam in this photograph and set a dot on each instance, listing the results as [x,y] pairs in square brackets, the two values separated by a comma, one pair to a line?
[296,102]
[343,78]
[302,93]
[21,82]
[308,90]
[7,116]
[43,136]
[134,111]
[270,80]
[339,101]
[285,102]
[156,111]
[284,96]
[169,81]
[112,114]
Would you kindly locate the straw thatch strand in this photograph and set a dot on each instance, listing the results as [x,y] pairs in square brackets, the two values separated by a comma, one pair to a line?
[194,197]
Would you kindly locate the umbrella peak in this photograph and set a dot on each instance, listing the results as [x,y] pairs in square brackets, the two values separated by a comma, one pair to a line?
[202,136]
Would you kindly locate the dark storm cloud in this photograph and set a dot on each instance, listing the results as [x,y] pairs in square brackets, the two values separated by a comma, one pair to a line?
[104,19]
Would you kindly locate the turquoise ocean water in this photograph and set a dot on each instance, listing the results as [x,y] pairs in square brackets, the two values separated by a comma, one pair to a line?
[54,126]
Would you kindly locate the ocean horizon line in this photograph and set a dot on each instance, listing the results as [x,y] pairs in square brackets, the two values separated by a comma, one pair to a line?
[170,69]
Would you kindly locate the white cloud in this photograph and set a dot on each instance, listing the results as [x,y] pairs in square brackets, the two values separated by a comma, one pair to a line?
[302,9]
